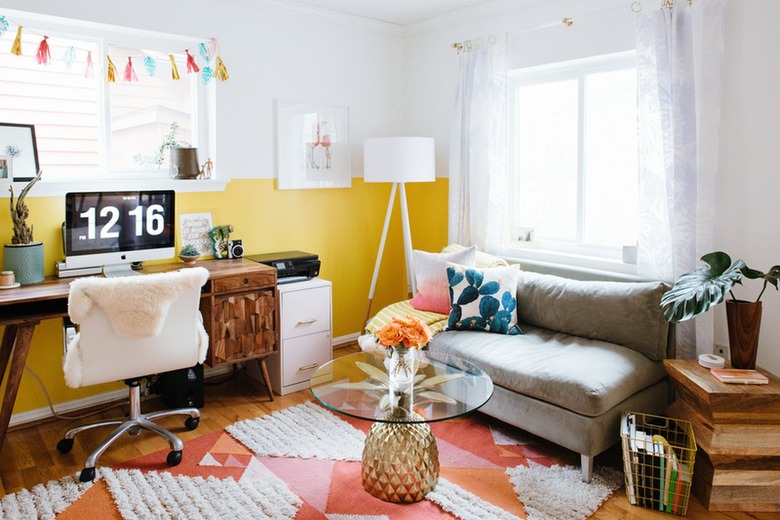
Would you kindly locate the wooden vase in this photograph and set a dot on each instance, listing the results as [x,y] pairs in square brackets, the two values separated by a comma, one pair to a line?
[744,322]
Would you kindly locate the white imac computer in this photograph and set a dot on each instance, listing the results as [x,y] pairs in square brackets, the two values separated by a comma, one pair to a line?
[112,230]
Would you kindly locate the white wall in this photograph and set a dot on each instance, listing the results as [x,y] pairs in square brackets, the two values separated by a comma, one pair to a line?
[271,53]
[748,187]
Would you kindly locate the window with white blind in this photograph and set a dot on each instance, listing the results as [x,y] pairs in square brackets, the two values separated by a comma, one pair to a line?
[88,128]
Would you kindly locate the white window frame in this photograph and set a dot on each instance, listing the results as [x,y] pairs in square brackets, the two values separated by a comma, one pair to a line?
[554,253]
[104,36]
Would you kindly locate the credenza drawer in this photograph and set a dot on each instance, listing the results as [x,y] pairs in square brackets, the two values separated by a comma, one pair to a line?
[243,281]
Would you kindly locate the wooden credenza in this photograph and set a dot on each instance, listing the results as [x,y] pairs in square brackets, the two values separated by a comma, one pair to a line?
[737,430]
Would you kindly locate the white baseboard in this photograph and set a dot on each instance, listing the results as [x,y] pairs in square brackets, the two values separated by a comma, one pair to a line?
[91,401]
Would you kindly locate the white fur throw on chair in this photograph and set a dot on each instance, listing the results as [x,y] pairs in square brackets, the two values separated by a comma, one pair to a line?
[140,312]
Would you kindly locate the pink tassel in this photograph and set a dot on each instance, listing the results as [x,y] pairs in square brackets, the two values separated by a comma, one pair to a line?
[191,65]
[89,70]
[43,56]
[129,72]
[212,47]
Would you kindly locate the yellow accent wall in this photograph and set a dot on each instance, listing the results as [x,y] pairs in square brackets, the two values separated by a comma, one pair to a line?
[343,226]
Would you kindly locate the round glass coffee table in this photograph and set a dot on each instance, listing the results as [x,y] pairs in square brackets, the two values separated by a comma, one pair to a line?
[400,458]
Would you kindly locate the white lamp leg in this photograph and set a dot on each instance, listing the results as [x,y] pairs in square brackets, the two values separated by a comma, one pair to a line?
[381,251]
[410,281]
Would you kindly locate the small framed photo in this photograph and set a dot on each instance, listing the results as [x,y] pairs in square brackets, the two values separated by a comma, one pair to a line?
[18,142]
[195,230]
[313,146]
[6,167]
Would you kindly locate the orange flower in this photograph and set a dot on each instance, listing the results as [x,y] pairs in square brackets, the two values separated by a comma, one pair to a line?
[407,331]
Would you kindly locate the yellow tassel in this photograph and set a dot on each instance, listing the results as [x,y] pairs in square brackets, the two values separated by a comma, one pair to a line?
[220,71]
[111,70]
[16,48]
[174,69]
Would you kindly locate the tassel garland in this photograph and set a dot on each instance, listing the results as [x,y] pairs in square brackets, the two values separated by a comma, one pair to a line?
[111,70]
[43,55]
[16,48]
[174,68]
[207,52]
[89,69]
[191,65]
[220,72]
[129,72]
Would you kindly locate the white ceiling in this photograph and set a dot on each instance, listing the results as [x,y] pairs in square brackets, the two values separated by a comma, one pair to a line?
[400,12]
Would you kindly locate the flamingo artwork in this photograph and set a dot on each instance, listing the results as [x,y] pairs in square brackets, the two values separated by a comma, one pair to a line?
[311,146]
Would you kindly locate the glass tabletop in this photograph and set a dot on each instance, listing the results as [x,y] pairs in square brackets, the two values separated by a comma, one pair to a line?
[444,387]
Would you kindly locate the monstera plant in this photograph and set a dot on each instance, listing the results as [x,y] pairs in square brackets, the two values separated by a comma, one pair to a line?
[708,285]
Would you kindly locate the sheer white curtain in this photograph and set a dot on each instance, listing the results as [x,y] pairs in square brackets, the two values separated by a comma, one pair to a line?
[478,148]
[680,54]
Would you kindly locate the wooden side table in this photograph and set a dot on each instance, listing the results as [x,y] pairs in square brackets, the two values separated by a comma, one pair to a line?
[737,429]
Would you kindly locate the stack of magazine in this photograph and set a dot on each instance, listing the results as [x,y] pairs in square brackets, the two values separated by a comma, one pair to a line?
[657,463]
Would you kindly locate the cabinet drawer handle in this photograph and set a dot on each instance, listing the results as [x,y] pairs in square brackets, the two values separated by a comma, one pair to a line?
[309,367]
[307,322]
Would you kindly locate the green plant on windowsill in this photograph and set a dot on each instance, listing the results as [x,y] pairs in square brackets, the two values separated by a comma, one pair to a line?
[695,292]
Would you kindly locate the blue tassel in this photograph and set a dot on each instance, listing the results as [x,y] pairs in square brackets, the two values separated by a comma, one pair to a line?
[204,52]
[150,64]
[69,56]
[206,75]
[4,26]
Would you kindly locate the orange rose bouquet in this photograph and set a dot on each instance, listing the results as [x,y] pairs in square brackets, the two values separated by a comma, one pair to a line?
[399,339]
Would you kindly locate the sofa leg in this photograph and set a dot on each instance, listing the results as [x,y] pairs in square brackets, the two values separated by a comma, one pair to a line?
[587,468]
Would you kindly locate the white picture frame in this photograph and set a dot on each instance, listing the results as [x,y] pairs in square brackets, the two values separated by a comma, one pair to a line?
[18,142]
[196,230]
[313,148]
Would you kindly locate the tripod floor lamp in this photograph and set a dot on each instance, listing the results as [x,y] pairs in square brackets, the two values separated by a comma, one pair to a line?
[397,160]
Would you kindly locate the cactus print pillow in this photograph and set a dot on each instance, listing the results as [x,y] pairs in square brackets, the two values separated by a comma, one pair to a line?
[483,299]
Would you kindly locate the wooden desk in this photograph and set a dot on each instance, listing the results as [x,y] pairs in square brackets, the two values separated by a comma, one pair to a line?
[737,430]
[238,304]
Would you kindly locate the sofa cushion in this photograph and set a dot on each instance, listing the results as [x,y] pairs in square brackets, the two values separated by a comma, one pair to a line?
[588,377]
[483,259]
[483,299]
[430,273]
[625,313]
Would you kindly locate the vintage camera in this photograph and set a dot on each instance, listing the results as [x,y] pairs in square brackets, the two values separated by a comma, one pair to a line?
[235,249]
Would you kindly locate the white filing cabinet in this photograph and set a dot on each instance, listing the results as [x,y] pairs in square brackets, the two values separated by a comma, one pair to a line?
[304,334]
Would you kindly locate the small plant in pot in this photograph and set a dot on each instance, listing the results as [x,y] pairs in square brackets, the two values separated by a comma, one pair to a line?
[696,291]
[189,254]
[23,255]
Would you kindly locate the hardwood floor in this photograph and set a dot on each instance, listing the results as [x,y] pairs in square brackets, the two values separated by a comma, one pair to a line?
[29,456]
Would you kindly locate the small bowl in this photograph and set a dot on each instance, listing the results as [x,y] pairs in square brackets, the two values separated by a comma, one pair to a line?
[188,260]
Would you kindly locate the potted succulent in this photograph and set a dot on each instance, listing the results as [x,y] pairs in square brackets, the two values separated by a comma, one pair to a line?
[189,254]
[23,255]
[696,291]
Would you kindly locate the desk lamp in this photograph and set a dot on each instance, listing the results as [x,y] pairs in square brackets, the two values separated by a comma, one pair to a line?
[397,160]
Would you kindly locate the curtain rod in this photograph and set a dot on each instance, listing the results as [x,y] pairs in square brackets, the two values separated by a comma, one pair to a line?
[568,21]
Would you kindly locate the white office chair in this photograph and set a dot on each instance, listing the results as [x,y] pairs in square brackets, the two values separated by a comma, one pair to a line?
[130,328]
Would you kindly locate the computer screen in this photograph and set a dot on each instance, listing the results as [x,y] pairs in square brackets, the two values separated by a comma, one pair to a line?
[105,229]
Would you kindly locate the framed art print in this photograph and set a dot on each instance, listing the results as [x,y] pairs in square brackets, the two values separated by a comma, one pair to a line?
[18,142]
[313,146]
[195,229]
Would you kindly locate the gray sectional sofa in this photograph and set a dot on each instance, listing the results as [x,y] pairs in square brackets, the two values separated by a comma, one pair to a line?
[589,350]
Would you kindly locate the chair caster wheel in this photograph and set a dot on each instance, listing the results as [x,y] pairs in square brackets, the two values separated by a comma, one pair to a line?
[191,423]
[87,475]
[174,458]
[65,445]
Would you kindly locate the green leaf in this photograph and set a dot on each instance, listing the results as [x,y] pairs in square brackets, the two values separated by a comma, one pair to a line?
[696,291]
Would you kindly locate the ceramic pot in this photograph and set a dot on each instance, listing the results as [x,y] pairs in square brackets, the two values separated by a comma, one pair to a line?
[744,323]
[25,260]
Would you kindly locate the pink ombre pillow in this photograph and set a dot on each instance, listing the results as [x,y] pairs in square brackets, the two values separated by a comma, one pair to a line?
[430,270]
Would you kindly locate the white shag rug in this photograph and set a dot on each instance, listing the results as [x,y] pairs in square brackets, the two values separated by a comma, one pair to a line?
[306,431]
[43,501]
[558,492]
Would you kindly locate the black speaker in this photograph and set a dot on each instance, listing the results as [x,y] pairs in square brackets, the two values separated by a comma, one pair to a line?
[183,388]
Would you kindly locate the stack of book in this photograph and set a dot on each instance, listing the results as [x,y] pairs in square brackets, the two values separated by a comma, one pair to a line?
[657,463]
[739,376]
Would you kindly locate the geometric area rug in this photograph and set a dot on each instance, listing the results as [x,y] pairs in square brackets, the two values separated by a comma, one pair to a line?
[304,462]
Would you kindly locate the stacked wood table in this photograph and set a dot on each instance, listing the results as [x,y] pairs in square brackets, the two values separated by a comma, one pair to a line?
[737,429]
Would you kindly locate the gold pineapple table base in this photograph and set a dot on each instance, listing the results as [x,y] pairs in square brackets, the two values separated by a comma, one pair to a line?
[400,460]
